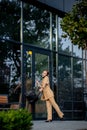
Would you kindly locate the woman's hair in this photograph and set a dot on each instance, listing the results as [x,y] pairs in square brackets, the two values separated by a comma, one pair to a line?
[47,72]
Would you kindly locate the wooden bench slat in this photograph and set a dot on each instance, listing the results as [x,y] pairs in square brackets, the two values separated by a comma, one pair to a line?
[3,99]
[5,105]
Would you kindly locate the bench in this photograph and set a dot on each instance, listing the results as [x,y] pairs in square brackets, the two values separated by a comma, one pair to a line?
[3,99]
[4,105]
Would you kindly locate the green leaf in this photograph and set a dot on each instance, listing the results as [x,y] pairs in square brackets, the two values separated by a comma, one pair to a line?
[74,24]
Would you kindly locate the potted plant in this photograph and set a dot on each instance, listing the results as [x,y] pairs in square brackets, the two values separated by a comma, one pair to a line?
[19,119]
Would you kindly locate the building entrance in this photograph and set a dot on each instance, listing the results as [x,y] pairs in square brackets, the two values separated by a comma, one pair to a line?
[36,60]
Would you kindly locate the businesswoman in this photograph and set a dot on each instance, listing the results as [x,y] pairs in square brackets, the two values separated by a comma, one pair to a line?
[48,96]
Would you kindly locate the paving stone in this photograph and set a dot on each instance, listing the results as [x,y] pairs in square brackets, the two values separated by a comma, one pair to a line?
[60,125]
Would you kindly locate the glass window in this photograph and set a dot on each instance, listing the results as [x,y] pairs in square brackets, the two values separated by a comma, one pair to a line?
[77,77]
[77,51]
[10,70]
[65,45]
[85,75]
[64,80]
[53,31]
[68,114]
[10,19]
[67,105]
[41,63]
[29,63]
[84,70]
[84,54]
[78,105]
[36,25]
[78,115]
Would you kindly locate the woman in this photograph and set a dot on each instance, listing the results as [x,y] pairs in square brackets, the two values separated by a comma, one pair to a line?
[28,85]
[18,87]
[48,96]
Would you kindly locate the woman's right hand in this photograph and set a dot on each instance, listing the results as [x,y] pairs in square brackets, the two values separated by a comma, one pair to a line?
[40,89]
[37,82]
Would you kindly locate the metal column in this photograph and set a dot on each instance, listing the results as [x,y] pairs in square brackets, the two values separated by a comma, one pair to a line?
[22,58]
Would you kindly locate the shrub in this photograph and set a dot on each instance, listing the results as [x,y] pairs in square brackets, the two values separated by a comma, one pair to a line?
[19,119]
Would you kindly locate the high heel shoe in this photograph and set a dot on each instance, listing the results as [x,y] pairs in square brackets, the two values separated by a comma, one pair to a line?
[62,118]
[48,121]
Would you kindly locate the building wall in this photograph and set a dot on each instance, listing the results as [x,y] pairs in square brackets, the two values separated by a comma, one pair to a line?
[58,5]
[68,61]
[63,5]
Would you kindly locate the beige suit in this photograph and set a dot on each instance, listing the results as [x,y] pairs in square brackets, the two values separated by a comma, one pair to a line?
[48,96]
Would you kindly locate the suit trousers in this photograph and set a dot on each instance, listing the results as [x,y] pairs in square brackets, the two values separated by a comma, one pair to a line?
[52,103]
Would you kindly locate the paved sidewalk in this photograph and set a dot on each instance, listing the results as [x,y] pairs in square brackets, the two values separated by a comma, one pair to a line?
[60,125]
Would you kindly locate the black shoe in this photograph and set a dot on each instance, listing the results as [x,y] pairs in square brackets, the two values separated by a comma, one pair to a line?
[48,121]
[62,119]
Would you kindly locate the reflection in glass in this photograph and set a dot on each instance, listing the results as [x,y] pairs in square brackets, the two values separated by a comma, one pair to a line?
[84,54]
[9,69]
[36,26]
[84,70]
[41,63]
[64,80]
[65,45]
[78,115]
[29,64]
[77,75]
[77,51]
[10,19]
[53,32]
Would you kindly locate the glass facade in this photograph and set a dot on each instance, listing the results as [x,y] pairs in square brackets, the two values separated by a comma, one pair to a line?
[9,69]
[10,19]
[64,44]
[45,49]
[36,27]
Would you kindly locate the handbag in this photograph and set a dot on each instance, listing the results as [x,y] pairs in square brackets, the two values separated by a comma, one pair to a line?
[31,96]
[38,93]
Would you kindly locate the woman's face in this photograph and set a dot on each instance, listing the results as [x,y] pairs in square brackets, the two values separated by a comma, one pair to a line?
[44,73]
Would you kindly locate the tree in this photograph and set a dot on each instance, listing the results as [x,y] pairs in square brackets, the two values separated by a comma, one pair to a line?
[9,19]
[34,32]
[74,24]
[10,29]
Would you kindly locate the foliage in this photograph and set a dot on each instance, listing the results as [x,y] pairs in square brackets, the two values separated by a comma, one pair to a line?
[33,19]
[10,58]
[33,31]
[19,119]
[9,17]
[10,29]
[74,24]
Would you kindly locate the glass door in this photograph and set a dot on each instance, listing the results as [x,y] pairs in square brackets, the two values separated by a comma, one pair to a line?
[41,63]
[37,60]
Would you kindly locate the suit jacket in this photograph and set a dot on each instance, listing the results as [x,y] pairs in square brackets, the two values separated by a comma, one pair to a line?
[47,92]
